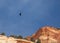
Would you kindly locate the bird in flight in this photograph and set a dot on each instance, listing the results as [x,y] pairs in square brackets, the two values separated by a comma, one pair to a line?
[20,14]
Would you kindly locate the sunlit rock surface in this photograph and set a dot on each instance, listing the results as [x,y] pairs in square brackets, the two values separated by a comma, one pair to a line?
[48,34]
[5,39]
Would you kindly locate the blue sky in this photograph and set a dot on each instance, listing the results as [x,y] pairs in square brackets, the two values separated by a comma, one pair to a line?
[35,14]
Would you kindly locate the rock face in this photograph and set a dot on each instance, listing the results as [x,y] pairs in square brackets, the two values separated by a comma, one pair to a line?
[28,38]
[5,39]
[48,34]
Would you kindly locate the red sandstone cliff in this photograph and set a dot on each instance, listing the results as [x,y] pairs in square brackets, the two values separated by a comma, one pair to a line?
[48,34]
